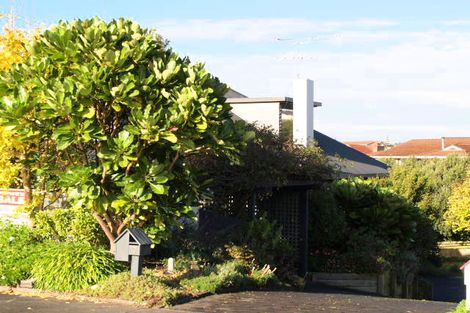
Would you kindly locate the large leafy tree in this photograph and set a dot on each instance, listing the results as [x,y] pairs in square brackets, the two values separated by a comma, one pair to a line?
[428,184]
[115,114]
[458,215]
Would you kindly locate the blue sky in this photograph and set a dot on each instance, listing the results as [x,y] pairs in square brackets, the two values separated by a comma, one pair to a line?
[391,70]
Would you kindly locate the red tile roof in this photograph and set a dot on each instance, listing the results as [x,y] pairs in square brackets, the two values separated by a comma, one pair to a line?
[428,148]
[368,147]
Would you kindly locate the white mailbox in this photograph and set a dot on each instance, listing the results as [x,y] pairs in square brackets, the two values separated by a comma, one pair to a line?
[466,279]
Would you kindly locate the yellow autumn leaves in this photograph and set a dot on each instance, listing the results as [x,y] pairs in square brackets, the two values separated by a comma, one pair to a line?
[458,214]
[13,42]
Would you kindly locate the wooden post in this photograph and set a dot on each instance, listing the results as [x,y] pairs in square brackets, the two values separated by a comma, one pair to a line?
[303,232]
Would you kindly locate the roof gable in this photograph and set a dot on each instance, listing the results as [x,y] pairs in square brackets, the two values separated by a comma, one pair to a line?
[137,234]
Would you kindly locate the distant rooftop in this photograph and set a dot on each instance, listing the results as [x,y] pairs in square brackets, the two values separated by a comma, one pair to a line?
[428,148]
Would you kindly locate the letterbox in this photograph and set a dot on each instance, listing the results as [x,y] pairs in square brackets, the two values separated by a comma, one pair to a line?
[131,246]
[466,279]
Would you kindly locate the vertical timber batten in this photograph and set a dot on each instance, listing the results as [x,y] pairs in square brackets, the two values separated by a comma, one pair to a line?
[303,232]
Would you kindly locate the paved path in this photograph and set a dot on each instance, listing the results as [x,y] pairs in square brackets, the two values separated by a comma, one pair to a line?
[237,302]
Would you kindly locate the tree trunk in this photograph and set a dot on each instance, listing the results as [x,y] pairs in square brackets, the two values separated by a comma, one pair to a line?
[26,180]
[108,232]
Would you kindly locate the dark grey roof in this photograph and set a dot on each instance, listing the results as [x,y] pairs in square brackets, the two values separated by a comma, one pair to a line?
[234,94]
[350,161]
[138,234]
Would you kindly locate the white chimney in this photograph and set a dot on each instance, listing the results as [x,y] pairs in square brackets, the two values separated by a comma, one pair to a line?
[303,111]
[443,143]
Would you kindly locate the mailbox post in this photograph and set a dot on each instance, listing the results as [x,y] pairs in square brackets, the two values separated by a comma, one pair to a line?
[131,246]
[466,279]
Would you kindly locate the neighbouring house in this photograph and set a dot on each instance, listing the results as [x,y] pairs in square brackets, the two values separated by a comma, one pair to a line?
[368,147]
[10,201]
[427,148]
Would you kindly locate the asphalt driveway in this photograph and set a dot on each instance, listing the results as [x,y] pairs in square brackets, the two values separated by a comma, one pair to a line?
[281,301]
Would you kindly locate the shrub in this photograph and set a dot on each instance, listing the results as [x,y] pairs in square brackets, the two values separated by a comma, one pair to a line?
[460,308]
[231,276]
[18,252]
[261,241]
[145,288]
[374,228]
[73,224]
[72,266]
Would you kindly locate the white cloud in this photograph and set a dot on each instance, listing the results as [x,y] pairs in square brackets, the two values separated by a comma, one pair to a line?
[456,23]
[374,83]
[263,29]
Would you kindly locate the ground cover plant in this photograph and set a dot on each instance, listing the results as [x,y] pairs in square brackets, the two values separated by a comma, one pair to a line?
[156,287]
[72,266]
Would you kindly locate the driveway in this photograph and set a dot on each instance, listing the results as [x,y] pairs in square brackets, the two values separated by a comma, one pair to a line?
[237,302]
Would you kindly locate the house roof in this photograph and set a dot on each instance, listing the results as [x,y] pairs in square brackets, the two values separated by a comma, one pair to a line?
[234,94]
[350,161]
[428,148]
[368,147]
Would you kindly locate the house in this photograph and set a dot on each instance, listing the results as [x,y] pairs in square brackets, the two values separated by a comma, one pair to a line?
[276,111]
[427,148]
[368,147]
[10,201]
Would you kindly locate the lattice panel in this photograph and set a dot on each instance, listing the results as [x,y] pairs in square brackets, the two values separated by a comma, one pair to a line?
[284,208]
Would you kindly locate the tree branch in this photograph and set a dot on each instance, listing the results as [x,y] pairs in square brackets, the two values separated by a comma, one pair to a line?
[111,237]
[124,223]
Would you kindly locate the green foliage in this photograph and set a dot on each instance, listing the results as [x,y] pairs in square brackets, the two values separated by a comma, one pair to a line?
[74,224]
[145,288]
[116,114]
[458,214]
[460,308]
[371,229]
[261,241]
[429,184]
[231,276]
[72,266]
[19,250]
[268,161]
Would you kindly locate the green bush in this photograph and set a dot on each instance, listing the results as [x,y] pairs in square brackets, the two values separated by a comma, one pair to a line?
[460,308]
[72,266]
[19,249]
[261,241]
[428,183]
[231,276]
[73,224]
[145,288]
[371,228]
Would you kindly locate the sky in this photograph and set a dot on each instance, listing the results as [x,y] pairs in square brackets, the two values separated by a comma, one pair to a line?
[384,70]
